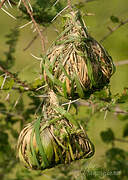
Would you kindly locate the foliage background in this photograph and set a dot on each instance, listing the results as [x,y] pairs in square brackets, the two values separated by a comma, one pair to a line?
[28,69]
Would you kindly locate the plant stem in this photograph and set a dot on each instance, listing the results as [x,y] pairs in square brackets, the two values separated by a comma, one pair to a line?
[26,86]
[34,22]
[2,2]
[114,29]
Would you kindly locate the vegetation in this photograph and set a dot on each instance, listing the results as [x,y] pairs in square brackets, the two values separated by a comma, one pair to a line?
[21,102]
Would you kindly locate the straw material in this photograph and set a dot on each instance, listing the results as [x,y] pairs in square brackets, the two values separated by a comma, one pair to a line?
[55,138]
[43,145]
[76,63]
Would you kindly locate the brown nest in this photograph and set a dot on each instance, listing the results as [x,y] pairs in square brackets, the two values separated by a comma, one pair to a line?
[76,63]
[43,145]
[55,138]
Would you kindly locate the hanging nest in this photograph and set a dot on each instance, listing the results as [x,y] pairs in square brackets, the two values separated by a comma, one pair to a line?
[43,145]
[58,139]
[76,63]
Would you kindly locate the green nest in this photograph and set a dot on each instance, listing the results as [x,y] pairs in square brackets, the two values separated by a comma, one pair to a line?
[76,63]
[45,144]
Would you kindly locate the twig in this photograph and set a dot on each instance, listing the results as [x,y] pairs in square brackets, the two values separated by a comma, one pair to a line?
[26,87]
[123,62]
[31,42]
[121,140]
[120,111]
[34,22]
[114,29]
[11,114]
[2,2]
[69,4]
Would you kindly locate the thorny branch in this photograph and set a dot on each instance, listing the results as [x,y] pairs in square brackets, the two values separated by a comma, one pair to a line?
[34,22]
[111,30]
[26,87]
[95,107]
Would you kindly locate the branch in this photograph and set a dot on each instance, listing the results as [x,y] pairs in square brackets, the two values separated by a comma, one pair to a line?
[2,2]
[12,114]
[26,87]
[121,140]
[123,62]
[69,4]
[31,42]
[34,22]
[114,29]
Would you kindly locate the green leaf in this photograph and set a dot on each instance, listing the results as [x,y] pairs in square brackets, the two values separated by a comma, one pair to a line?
[65,89]
[39,143]
[107,136]
[52,78]
[35,161]
[38,82]
[7,85]
[79,88]
[116,154]
[125,130]
[90,72]
[122,117]
[123,99]
[114,19]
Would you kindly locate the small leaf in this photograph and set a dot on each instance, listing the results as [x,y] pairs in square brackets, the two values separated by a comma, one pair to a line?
[107,136]
[39,143]
[79,88]
[114,19]
[122,117]
[123,99]
[125,130]
[90,72]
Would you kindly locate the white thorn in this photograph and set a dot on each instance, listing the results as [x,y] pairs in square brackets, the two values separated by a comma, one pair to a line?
[30,6]
[34,30]
[41,87]
[4,81]
[9,3]
[59,13]
[56,2]
[8,13]
[32,26]
[5,6]
[19,4]
[70,102]
[38,58]
[25,25]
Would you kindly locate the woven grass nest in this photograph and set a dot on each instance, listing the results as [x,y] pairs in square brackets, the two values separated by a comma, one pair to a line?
[44,145]
[76,63]
[58,139]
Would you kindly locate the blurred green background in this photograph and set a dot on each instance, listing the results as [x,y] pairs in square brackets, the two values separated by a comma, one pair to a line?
[116,44]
